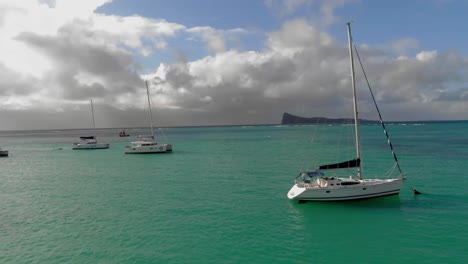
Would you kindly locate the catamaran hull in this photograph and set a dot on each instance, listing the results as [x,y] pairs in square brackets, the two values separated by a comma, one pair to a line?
[90,146]
[365,190]
[160,148]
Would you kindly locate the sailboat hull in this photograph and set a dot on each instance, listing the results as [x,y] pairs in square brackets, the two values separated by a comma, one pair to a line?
[364,189]
[79,146]
[146,148]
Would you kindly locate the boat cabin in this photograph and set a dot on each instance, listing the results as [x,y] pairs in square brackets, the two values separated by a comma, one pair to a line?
[318,179]
[86,140]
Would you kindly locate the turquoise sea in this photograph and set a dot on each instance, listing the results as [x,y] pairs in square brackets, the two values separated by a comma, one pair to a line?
[220,197]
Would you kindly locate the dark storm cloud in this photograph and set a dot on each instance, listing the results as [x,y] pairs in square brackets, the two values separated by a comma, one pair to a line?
[83,92]
[453,94]
[14,83]
[302,70]
[114,68]
[178,75]
[307,72]
[257,87]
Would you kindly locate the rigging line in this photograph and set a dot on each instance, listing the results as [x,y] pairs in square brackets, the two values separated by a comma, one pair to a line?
[161,130]
[150,117]
[390,171]
[343,146]
[163,134]
[338,142]
[378,111]
[311,140]
[155,118]
[350,139]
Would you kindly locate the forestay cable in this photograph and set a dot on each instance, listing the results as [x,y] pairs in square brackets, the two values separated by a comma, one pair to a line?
[378,111]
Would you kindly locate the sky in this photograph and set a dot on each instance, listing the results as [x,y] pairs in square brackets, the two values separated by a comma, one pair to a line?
[210,62]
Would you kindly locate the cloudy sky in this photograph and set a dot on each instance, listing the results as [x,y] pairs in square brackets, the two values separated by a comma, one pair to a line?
[212,62]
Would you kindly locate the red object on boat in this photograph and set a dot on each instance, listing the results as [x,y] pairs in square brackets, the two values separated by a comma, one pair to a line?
[123,134]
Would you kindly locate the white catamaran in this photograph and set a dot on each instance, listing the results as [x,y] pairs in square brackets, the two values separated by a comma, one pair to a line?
[315,186]
[147,144]
[90,142]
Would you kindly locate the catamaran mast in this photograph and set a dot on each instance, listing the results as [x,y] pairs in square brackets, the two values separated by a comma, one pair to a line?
[356,118]
[149,106]
[92,112]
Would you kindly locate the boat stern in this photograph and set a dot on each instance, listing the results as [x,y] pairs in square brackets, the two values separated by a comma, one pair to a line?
[168,147]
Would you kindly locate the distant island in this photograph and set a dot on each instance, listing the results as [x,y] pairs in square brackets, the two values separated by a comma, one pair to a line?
[289,119]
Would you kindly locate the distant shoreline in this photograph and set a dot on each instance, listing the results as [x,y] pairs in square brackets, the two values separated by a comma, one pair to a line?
[290,119]
[315,122]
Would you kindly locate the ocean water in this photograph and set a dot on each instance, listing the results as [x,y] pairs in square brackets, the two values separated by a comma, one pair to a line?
[220,197]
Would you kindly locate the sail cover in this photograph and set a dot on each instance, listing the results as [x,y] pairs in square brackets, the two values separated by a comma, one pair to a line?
[342,165]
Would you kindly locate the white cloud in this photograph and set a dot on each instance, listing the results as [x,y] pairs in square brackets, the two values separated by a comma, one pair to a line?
[214,38]
[297,35]
[206,99]
[426,55]
[62,63]
[305,68]
[161,44]
[79,9]
[132,30]
[325,15]
[293,5]
[328,10]
[286,7]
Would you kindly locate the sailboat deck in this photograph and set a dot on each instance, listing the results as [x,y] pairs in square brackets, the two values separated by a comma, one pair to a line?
[340,183]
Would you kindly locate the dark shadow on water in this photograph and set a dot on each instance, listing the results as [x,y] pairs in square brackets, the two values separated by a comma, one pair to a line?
[343,213]
[425,203]
[436,202]
[381,202]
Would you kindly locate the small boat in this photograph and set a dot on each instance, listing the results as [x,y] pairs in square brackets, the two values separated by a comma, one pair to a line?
[147,144]
[123,134]
[3,152]
[315,186]
[89,142]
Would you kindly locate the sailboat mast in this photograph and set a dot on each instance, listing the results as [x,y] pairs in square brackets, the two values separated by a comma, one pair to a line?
[149,107]
[356,116]
[92,112]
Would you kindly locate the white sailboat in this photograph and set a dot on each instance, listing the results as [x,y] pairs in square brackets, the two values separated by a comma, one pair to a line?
[315,186]
[147,144]
[90,142]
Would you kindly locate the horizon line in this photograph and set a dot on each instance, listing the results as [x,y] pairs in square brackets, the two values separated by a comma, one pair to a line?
[264,124]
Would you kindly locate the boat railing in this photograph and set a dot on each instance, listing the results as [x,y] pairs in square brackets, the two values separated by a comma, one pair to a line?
[308,178]
[146,137]
[390,172]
